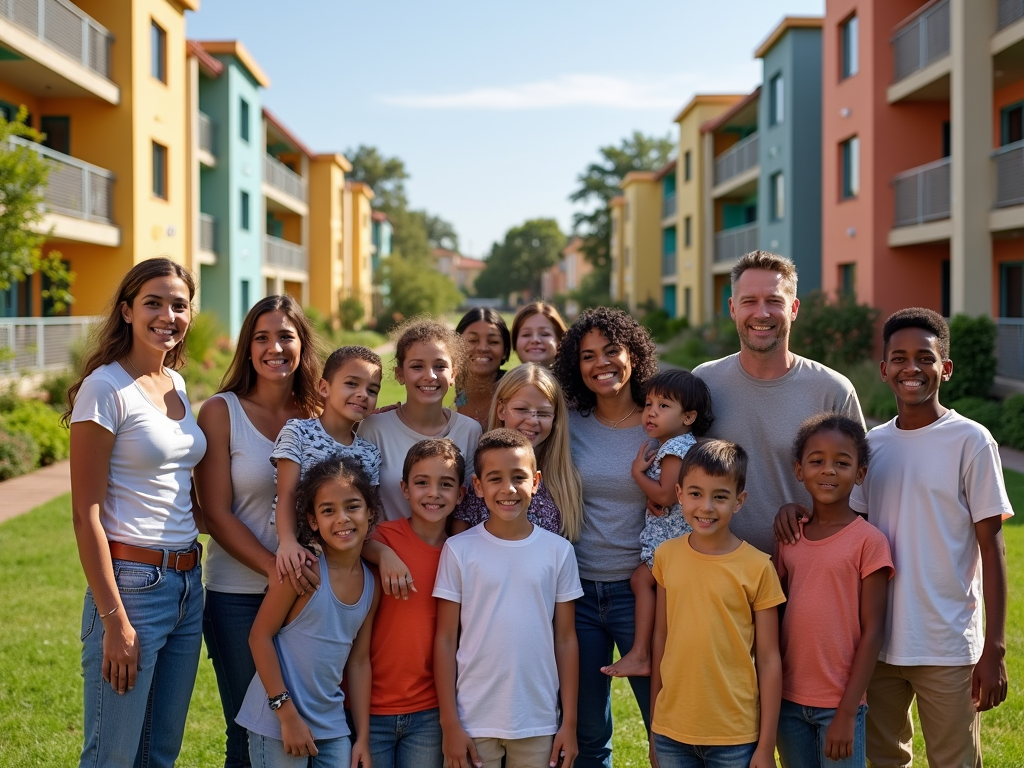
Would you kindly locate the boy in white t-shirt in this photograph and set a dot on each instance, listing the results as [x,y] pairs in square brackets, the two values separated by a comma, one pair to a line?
[511,585]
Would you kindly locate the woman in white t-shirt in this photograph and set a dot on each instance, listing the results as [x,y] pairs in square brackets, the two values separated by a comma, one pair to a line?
[134,443]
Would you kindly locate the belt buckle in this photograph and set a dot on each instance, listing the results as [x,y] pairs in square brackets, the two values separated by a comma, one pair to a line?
[178,557]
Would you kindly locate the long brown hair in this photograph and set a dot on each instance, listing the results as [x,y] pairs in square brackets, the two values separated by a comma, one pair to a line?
[114,338]
[241,377]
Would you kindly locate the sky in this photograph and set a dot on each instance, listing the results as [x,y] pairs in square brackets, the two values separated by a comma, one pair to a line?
[495,108]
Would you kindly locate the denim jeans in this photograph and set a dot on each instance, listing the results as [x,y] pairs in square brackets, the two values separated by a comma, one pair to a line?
[407,741]
[269,753]
[227,620]
[802,737]
[604,619]
[143,728]
[675,754]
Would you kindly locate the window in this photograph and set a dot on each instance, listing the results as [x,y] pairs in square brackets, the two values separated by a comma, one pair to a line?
[58,133]
[687,231]
[243,119]
[848,44]
[1011,290]
[848,279]
[245,211]
[687,171]
[158,52]
[778,196]
[1012,124]
[776,110]
[851,167]
[244,309]
[686,302]
[947,139]
[159,171]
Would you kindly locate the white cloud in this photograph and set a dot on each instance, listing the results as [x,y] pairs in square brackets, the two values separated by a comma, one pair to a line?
[563,91]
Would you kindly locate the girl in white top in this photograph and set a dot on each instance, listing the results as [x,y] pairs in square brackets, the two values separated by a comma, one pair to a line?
[272,379]
[134,443]
[428,359]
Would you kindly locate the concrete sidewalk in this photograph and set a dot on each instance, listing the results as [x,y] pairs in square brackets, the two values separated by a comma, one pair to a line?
[21,494]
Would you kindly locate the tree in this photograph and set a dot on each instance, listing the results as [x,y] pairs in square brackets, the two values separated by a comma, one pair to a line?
[517,263]
[441,233]
[417,288]
[23,175]
[385,175]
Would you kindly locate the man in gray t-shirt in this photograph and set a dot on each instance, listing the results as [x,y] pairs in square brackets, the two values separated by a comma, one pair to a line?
[762,394]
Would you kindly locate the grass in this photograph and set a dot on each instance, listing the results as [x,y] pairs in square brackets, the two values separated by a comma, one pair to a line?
[41,587]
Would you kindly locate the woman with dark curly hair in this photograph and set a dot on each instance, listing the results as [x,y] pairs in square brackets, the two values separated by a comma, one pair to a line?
[604,363]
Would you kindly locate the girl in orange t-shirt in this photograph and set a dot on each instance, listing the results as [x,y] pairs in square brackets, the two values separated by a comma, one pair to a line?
[835,578]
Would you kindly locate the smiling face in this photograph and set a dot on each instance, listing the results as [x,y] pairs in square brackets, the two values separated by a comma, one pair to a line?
[352,391]
[829,468]
[529,412]
[434,488]
[665,418]
[485,348]
[914,368]
[537,341]
[426,373]
[275,350]
[159,314]
[340,516]
[507,481]
[605,366]
[764,308]
[709,502]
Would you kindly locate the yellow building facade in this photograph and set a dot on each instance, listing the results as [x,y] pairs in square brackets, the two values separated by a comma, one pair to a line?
[327,234]
[641,240]
[617,260]
[359,243]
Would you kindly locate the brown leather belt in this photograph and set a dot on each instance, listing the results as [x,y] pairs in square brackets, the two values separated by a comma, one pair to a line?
[176,561]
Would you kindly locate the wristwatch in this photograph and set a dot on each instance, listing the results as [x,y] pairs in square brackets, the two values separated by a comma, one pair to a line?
[276,702]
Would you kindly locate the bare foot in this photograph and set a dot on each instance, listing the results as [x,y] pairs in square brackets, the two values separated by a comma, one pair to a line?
[633,664]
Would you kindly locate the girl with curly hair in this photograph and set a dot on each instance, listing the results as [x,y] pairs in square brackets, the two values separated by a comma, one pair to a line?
[604,363]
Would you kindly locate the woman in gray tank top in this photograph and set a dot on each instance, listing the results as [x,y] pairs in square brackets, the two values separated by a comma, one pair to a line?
[604,363]
[272,378]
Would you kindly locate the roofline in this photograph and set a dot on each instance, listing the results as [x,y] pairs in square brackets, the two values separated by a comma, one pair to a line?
[272,119]
[787,23]
[239,51]
[709,99]
[335,157]
[211,66]
[360,186]
[665,169]
[717,122]
[617,201]
[188,5]
[635,176]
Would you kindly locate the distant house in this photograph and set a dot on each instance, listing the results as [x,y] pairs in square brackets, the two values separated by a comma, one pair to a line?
[567,275]
[462,270]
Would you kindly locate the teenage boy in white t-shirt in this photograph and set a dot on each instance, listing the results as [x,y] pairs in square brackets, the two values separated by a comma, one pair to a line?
[511,585]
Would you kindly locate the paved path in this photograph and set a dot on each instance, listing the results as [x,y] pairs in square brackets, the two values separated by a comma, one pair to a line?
[20,494]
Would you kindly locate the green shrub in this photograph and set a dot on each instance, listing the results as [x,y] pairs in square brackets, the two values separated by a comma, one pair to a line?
[40,423]
[55,386]
[9,398]
[972,348]
[696,345]
[662,326]
[19,455]
[1013,421]
[201,340]
[876,398]
[350,312]
[988,413]
[836,333]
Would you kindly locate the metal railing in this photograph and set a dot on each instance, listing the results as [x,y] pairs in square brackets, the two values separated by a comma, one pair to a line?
[40,343]
[74,187]
[740,157]
[1009,162]
[280,176]
[922,194]
[1009,11]
[282,253]
[668,206]
[1010,347]
[735,242]
[207,233]
[206,133]
[65,28]
[668,264]
[924,40]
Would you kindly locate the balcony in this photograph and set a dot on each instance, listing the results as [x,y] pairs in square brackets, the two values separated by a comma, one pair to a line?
[208,235]
[734,242]
[1009,162]
[668,264]
[284,186]
[207,139]
[920,56]
[41,343]
[922,194]
[668,204]
[35,28]
[738,159]
[1008,12]
[1010,347]
[281,253]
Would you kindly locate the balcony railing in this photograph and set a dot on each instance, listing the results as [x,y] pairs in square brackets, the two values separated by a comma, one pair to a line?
[1009,11]
[1010,347]
[38,343]
[280,176]
[74,188]
[282,253]
[668,206]
[734,242]
[206,133]
[65,28]
[922,194]
[1009,161]
[740,157]
[668,264]
[207,233]
[924,40]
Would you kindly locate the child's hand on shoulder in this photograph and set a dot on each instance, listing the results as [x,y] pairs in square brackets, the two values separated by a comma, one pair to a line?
[564,749]
[644,458]
[839,736]
[291,557]
[395,578]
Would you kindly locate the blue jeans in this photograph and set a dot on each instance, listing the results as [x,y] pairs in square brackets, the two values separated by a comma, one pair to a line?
[227,620]
[407,741]
[675,754]
[802,737]
[143,728]
[604,619]
[269,753]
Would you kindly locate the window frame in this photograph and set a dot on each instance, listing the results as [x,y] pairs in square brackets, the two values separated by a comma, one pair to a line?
[849,47]
[777,196]
[687,169]
[849,166]
[776,100]
[160,164]
[157,52]
[244,119]
[245,217]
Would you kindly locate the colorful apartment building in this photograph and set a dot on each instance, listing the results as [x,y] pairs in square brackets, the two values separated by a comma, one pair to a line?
[359,243]
[561,281]
[381,232]
[641,246]
[617,250]
[328,282]
[106,81]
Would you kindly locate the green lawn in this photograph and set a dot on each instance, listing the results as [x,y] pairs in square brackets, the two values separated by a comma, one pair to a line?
[41,586]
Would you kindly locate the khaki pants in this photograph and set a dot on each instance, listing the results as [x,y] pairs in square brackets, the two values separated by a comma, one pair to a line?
[533,752]
[951,726]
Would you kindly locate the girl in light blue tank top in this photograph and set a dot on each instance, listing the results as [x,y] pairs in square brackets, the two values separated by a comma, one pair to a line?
[304,645]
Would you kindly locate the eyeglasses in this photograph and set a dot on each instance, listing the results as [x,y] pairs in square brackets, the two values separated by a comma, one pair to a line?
[527,413]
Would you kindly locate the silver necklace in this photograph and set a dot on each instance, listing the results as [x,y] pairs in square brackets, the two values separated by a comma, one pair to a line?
[137,371]
[616,424]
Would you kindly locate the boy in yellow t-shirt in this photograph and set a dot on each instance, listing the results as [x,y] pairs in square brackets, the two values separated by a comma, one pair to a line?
[716,682]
